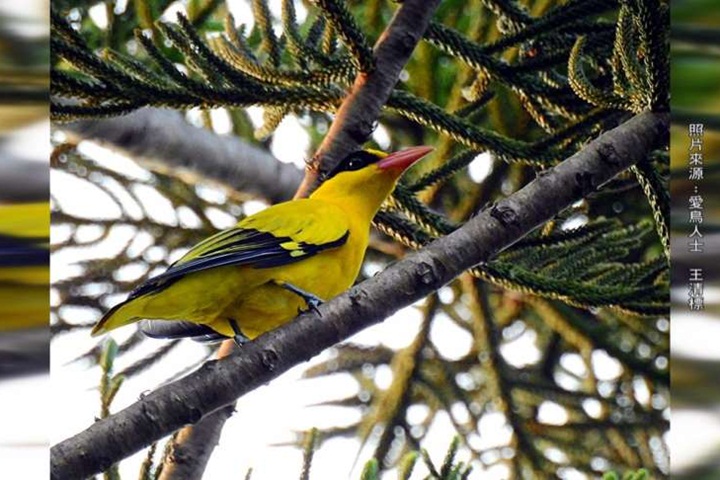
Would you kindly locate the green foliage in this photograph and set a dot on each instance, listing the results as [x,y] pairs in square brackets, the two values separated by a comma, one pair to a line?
[641,474]
[343,22]
[308,454]
[546,267]
[222,78]
[109,383]
[146,468]
[371,471]
[586,267]
[109,386]
[449,470]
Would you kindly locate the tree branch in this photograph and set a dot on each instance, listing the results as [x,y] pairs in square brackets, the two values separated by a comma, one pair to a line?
[356,117]
[193,445]
[219,383]
[165,135]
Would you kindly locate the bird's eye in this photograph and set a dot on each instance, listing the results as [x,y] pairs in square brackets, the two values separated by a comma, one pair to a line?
[354,161]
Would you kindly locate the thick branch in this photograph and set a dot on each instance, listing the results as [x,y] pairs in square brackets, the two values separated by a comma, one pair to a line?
[166,136]
[219,383]
[356,117]
[193,445]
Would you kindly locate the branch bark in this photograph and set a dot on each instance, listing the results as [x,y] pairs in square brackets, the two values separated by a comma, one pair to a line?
[356,117]
[165,135]
[219,383]
[192,446]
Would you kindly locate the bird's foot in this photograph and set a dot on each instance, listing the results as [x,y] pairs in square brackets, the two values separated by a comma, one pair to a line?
[238,338]
[311,300]
[312,305]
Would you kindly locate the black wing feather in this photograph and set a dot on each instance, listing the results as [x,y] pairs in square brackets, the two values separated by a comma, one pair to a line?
[266,252]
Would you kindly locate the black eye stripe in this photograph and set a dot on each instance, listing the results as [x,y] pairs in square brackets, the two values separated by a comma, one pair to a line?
[354,161]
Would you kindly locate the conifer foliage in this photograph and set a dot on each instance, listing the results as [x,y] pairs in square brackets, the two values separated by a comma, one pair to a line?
[515,86]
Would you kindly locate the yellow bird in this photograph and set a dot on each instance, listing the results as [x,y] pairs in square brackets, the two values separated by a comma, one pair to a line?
[257,275]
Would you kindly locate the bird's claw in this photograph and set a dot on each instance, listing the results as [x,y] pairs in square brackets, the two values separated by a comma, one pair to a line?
[239,338]
[312,303]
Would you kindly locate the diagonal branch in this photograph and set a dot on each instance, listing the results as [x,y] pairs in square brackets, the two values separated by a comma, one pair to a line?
[165,135]
[219,383]
[356,117]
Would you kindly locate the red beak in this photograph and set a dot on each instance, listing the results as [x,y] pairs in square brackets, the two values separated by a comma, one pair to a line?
[404,158]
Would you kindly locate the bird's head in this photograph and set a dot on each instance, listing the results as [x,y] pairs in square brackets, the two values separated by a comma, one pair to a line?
[367,176]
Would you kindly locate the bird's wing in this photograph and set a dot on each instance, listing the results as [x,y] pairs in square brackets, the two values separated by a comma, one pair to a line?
[280,235]
[24,234]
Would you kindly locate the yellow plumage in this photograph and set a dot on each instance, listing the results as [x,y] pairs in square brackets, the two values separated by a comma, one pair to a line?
[25,220]
[260,273]
[24,265]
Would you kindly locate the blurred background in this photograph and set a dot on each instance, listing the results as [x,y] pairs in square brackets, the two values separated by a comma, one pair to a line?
[695,431]
[24,239]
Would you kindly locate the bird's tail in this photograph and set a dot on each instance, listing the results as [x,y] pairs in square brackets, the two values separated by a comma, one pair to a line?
[119,315]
